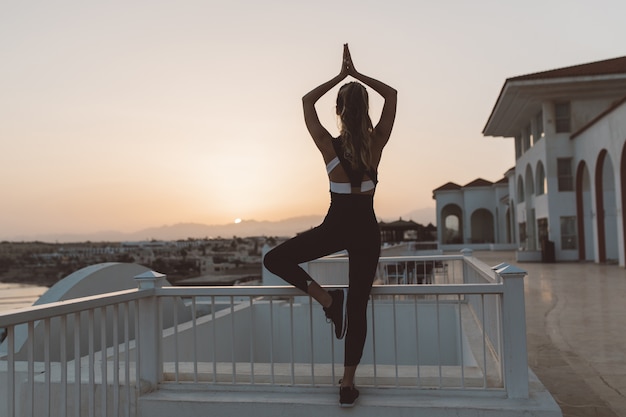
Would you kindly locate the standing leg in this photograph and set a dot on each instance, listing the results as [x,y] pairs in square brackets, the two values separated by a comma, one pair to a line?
[364,256]
[363,263]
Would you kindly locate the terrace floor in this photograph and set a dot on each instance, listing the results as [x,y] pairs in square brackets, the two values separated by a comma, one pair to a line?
[576,332]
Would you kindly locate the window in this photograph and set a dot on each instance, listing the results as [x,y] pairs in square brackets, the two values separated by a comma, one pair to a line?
[528,181]
[520,190]
[541,180]
[568,232]
[564,172]
[562,117]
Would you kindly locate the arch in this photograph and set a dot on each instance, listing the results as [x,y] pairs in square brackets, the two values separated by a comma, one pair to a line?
[531,226]
[600,207]
[606,208]
[540,177]
[482,226]
[520,189]
[452,220]
[508,217]
[623,188]
[528,180]
[583,212]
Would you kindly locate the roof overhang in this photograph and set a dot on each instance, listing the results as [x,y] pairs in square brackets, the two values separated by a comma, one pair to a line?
[520,100]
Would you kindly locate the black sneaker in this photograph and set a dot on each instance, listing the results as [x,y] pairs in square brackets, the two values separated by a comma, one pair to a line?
[347,396]
[337,313]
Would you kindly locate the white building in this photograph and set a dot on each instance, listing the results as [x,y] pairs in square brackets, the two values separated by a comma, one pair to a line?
[475,214]
[568,185]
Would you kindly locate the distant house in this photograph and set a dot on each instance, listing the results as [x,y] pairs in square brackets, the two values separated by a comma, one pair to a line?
[567,190]
[476,213]
[406,231]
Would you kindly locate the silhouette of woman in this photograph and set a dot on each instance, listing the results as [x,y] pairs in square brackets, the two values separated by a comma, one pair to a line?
[352,161]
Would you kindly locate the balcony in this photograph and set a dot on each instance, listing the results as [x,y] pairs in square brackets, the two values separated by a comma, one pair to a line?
[446,336]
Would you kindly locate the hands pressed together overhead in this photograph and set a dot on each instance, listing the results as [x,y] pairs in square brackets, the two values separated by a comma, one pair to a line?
[347,67]
[383,128]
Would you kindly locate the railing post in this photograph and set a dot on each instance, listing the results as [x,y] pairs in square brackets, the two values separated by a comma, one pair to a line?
[148,334]
[515,355]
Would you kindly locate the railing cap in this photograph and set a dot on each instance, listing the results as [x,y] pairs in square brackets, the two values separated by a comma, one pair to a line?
[150,275]
[510,270]
[150,279]
[499,266]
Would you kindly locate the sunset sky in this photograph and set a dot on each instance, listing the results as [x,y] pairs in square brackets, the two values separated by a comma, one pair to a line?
[121,115]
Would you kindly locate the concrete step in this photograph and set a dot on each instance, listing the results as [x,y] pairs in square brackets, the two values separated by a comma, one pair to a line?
[183,400]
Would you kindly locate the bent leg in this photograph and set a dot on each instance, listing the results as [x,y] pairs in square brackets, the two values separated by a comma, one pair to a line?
[285,259]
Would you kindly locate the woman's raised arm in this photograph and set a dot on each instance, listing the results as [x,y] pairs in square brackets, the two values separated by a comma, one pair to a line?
[312,121]
[317,131]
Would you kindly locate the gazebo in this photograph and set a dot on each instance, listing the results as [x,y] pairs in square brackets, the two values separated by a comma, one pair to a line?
[406,231]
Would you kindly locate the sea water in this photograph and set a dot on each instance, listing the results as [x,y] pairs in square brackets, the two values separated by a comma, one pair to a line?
[15,296]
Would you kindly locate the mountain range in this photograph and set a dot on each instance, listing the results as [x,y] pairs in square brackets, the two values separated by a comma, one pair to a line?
[286,227]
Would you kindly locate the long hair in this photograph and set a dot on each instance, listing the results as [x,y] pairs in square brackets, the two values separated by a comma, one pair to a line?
[356,127]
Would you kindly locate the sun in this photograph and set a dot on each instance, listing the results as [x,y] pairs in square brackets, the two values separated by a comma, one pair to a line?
[237,220]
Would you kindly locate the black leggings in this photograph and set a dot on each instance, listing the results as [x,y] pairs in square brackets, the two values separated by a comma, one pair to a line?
[349,225]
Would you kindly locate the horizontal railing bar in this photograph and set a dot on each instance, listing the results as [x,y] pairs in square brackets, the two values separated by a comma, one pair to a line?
[441,289]
[60,308]
[484,270]
[263,290]
[40,312]
[408,258]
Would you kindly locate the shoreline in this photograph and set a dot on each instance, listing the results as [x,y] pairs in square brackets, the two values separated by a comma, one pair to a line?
[14,296]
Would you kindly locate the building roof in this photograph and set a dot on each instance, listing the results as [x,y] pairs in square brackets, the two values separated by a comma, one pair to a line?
[599,117]
[521,97]
[400,224]
[478,182]
[605,67]
[449,186]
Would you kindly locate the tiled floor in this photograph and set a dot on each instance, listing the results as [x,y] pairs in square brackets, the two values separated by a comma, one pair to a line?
[576,327]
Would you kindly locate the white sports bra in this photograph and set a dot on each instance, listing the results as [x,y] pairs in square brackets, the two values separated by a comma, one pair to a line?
[345,187]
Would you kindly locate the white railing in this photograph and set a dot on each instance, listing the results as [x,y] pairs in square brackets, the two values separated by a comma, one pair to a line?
[271,335]
[401,270]
[452,335]
[70,349]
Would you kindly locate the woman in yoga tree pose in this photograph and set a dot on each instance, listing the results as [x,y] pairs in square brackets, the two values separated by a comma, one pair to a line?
[352,165]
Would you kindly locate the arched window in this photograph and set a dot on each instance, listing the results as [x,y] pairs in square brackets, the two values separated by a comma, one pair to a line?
[520,189]
[540,186]
[452,218]
[530,184]
[482,226]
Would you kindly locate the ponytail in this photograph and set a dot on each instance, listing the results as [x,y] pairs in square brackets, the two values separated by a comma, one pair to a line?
[356,127]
